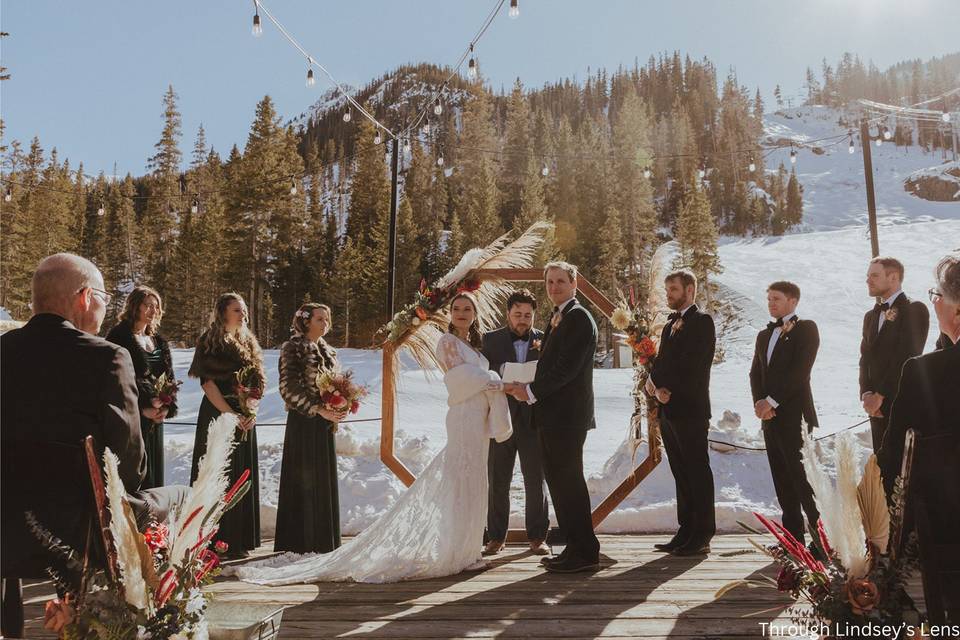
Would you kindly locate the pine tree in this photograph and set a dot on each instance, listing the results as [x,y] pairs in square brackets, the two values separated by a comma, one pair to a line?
[631,196]
[477,194]
[697,237]
[778,96]
[794,210]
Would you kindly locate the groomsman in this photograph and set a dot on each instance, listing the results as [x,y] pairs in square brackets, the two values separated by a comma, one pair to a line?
[780,382]
[893,331]
[680,380]
[517,342]
[562,399]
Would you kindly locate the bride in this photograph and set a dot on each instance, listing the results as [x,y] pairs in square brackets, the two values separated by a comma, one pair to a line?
[436,527]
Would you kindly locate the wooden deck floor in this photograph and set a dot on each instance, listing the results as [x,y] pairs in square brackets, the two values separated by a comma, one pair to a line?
[637,594]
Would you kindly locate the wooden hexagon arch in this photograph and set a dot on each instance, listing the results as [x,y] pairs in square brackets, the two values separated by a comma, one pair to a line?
[608,504]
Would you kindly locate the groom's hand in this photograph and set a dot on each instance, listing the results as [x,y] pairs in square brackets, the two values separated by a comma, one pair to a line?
[663,395]
[518,391]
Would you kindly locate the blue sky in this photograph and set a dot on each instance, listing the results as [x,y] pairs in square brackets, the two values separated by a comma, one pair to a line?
[88,77]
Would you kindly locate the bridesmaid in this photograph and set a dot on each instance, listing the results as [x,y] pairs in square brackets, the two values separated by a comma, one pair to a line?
[308,510]
[223,349]
[138,333]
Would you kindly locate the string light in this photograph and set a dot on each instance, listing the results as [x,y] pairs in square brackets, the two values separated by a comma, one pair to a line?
[257,27]
[440,159]
[377,139]
[514,12]
[293,186]
[100,209]
[472,66]
[945,117]
[8,195]
[310,79]
[545,171]
[887,134]
[347,115]
[851,148]
[879,142]
[195,207]
[646,172]
[426,128]
[437,107]
[753,165]
[793,156]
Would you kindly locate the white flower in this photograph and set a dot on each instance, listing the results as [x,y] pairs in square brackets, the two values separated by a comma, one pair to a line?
[196,602]
[621,318]
[416,322]
[142,633]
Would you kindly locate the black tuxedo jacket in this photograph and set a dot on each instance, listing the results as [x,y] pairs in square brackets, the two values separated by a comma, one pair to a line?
[60,384]
[786,378]
[882,354]
[928,401]
[498,349]
[564,382]
[683,366]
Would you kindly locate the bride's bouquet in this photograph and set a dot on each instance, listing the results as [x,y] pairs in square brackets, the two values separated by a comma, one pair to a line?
[152,586]
[339,392]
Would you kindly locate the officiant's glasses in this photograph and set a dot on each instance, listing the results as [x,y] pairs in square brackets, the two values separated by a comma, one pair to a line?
[934,294]
[100,293]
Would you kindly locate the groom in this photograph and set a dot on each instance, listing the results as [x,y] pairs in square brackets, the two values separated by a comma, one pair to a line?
[562,398]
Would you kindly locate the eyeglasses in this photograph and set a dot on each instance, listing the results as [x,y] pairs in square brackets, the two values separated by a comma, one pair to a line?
[100,293]
[934,294]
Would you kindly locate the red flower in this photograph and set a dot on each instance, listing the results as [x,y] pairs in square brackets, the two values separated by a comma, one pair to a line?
[354,406]
[156,537]
[862,595]
[787,580]
[421,312]
[220,547]
[166,399]
[336,400]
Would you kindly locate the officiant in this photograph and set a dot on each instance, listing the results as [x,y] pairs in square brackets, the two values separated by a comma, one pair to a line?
[518,342]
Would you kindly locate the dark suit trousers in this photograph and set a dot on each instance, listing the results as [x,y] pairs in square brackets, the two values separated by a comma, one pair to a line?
[783,441]
[689,457]
[562,451]
[878,427]
[500,463]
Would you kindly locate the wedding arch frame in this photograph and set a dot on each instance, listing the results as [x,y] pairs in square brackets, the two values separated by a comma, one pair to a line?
[389,396]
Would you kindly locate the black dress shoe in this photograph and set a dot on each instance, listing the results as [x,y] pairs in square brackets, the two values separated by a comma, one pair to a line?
[573,565]
[692,549]
[668,547]
[548,560]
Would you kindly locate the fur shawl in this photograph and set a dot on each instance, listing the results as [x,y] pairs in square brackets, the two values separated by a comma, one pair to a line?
[122,335]
[222,361]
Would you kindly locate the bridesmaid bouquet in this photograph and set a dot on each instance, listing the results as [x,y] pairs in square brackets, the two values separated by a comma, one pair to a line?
[165,391]
[248,391]
[339,392]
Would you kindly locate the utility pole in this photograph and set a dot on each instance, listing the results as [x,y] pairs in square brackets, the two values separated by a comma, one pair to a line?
[392,240]
[868,177]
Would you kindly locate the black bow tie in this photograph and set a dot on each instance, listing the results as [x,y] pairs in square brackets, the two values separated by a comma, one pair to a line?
[676,315]
[774,325]
[881,307]
[525,337]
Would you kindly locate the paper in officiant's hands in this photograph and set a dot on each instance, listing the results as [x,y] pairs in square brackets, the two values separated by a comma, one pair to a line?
[520,372]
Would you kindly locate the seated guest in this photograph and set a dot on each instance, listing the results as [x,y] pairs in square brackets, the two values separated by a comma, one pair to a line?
[61,383]
[139,333]
[929,397]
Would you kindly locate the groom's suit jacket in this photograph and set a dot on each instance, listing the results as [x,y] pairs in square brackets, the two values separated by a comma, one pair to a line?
[498,349]
[563,385]
[883,353]
[786,378]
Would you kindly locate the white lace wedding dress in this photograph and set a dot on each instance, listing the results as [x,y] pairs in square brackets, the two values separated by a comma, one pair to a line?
[436,527]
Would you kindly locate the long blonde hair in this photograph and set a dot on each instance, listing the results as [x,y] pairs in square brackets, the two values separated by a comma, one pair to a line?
[215,337]
[473,333]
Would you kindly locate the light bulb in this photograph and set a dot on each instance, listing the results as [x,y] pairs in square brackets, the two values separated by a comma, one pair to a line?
[879,142]
[347,116]
[545,171]
[406,145]
[100,209]
[377,139]
[472,69]
[851,148]
[945,117]
[514,9]
[753,166]
[440,159]
[646,173]
[195,206]
[703,172]
[293,186]
[8,196]
[887,134]
[426,127]
[257,28]
[437,107]
[793,157]
[310,79]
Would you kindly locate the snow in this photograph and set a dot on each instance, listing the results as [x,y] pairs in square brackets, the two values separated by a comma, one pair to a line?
[828,259]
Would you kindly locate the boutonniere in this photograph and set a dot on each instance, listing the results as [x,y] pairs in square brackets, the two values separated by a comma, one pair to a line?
[788,326]
[676,326]
[890,315]
[535,344]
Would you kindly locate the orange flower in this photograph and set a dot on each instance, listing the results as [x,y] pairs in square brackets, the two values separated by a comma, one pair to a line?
[421,313]
[862,595]
[58,613]
[648,347]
